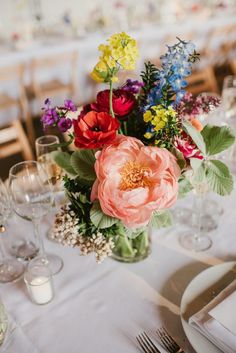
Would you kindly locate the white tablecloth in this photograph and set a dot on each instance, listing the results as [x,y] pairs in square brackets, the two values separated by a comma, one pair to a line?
[101,308]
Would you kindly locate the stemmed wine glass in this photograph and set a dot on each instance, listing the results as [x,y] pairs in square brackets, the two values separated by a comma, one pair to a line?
[229,107]
[196,239]
[32,198]
[44,146]
[10,269]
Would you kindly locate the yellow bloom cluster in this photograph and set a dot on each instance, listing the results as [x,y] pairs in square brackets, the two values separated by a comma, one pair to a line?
[120,53]
[158,116]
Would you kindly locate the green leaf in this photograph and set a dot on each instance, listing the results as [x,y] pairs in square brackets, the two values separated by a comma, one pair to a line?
[83,163]
[180,157]
[199,171]
[161,219]
[123,246]
[218,177]
[100,219]
[63,160]
[217,138]
[184,187]
[196,136]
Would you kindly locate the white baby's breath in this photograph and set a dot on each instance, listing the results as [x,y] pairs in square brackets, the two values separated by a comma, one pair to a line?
[65,231]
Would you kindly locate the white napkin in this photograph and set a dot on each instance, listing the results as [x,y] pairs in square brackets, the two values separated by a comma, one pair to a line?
[217,320]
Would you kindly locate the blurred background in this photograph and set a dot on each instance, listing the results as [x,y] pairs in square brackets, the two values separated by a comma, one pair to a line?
[49,47]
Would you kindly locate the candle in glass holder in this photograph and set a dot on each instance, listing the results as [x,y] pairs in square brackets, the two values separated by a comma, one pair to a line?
[38,280]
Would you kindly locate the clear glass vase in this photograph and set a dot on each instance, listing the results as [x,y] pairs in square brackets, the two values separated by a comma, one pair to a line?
[132,245]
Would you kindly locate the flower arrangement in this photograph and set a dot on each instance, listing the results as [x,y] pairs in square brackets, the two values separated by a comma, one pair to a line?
[137,145]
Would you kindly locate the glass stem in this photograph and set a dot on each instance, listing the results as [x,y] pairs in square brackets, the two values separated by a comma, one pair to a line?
[198,210]
[39,238]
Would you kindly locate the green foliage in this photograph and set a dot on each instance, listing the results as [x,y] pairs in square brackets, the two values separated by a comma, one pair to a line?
[219,178]
[179,156]
[217,138]
[90,216]
[184,187]
[215,173]
[100,219]
[149,76]
[198,167]
[195,135]
[63,160]
[161,219]
[82,161]
[79,196]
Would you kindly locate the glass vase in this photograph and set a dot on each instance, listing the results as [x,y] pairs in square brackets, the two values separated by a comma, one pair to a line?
[132,245]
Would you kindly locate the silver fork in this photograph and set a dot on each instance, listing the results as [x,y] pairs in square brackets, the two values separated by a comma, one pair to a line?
[168,342]
[146,343]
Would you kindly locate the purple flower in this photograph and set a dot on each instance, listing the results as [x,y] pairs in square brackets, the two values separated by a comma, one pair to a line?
[69,105]
[190,105]
[64,124]
[50,117]
[47,102]
[133,86]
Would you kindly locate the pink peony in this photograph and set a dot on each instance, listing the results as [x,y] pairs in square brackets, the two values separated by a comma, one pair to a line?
[134,180]
[185,145]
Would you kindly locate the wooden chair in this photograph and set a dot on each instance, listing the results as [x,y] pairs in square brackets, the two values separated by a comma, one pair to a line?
[203,80]
[14,74]
[13,140]
[233,66]
[54,87]
[40,90]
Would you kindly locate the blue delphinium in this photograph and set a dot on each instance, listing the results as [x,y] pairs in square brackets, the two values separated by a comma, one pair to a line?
[171,78]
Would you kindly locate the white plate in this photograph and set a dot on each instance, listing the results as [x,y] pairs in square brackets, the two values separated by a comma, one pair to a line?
[198,293]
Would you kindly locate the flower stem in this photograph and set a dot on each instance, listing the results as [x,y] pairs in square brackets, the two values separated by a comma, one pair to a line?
[125,128]
[110,101]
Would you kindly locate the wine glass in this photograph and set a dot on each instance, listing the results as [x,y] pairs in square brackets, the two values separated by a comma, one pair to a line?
[196,239]
[229,107]
[32,199]
[10,269]
[44,146]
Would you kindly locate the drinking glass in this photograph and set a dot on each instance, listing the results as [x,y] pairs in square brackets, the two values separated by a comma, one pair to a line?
[229,98]
[32,198]
[195,239]
[38,280]
[229,108]
[10,269]
[44,146]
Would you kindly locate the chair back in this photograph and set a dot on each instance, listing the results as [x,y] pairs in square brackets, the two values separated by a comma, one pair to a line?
[203,80]
[13,140]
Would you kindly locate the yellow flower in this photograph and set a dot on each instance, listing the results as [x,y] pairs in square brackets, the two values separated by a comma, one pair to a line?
[148,135]
[100,72]
[121,52]
[158,116]
[147,116]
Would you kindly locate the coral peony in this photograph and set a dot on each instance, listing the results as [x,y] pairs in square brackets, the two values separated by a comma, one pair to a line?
[134,180]
[93,130]
[123,102]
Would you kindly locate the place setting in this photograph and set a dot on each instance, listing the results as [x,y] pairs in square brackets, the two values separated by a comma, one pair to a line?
[117,194]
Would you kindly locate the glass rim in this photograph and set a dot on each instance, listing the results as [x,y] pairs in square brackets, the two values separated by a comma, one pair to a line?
[30,162]
[48,278]
[43,272]
[37,141]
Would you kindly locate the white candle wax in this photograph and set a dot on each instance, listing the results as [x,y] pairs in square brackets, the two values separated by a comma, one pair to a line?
[40,289]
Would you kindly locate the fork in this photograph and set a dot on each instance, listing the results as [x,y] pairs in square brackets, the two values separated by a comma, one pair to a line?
[146,343]
[168,342]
